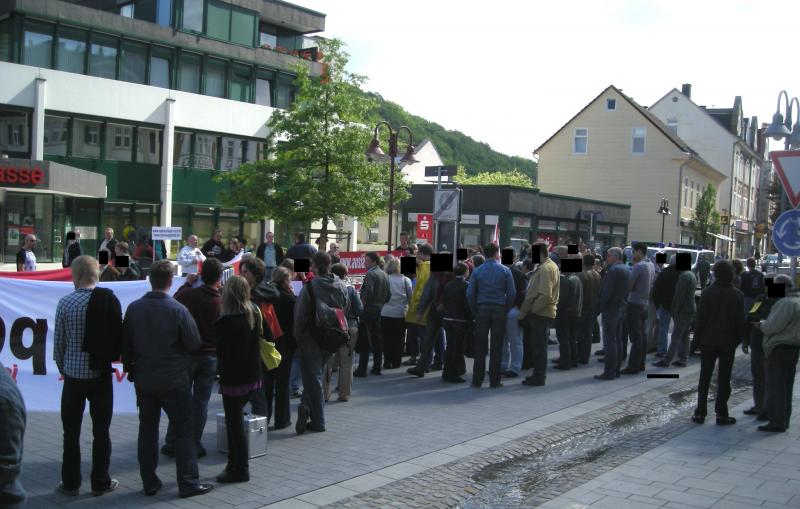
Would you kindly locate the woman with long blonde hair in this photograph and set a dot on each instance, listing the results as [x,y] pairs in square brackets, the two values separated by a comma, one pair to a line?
[239,330]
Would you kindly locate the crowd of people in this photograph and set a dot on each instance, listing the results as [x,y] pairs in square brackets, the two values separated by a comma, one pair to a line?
[176,350]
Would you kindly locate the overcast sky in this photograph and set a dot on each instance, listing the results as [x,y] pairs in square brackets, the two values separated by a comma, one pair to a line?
[510,73]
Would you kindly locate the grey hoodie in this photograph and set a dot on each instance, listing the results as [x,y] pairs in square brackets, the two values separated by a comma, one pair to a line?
[329,289]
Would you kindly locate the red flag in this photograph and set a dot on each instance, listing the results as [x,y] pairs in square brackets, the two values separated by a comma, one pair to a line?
[496,236]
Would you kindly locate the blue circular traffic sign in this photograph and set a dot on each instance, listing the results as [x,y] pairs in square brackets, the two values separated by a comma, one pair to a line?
[786,233]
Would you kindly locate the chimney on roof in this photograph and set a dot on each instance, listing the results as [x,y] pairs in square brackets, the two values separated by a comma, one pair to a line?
[686,89]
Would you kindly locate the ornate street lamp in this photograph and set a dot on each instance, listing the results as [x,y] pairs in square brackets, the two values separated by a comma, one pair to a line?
[664,211]
[374,152]
[779,129]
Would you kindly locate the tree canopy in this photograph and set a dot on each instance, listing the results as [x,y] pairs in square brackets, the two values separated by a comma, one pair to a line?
[509,178]
[706,218]
[314,166]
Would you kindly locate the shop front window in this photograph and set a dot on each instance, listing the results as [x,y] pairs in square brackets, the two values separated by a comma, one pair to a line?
[28,214]
[470,236]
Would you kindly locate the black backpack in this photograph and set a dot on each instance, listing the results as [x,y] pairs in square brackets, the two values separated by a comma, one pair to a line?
[329,326]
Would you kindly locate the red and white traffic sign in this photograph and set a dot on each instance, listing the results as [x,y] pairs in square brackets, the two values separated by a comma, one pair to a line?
[787,166]
[425,226]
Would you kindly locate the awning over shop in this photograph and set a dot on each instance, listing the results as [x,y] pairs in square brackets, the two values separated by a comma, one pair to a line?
[28,175]
[720,237]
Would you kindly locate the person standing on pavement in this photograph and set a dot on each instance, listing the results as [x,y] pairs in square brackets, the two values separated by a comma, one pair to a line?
[252,270]
[590,288]
[393,323]
[342,360]
[278,292]
[663,293]
[88,334]
[702,270]
[239,330]
[72,250]
[271,254]
[329,289]
[204,304]
[490,294]
[636,311]
[107,244]
[432,337]
[159,334]
[301,249]
[513,349]
[404,247]
[190,255]
[754,346]
[416,317]
[537,312]
[752,285]
[13,418]
[682,310]
[568,315]
[457,320]
[719,328]
[26,260]
[613,295]
[375,294]
[781,347]
[213,247]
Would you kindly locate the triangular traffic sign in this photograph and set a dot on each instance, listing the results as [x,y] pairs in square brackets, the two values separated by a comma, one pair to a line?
[787,166]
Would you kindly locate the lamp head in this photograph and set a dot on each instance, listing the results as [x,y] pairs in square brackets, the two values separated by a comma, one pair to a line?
[777,129]
[374,150]
[408,157]
[794,139]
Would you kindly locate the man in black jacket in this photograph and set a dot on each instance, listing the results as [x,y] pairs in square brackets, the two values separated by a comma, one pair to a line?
[271,254]
[457,320]
[663,291]
[159,333]
[374,294]
[568,314]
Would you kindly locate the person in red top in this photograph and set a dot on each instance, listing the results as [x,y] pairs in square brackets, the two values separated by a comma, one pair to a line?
[204,303]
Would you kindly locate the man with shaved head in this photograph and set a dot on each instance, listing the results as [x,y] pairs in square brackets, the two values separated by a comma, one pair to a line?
[26,260]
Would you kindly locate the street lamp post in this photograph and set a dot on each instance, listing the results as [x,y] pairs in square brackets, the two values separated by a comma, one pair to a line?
[664,211]
[783,129]
[374,152]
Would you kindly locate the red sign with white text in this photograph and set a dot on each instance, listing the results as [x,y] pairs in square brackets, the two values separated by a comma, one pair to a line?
[354,261]
[425,227]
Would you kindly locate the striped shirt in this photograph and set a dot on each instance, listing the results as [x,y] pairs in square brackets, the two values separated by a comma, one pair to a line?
[68,352]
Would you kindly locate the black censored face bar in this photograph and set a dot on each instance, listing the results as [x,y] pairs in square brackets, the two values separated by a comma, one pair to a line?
[663,375]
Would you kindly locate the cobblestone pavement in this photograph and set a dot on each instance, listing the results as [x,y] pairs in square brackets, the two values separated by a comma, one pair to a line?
[394,429]
[537,468]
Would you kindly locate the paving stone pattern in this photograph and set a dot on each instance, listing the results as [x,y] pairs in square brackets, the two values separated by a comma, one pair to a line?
[532,470]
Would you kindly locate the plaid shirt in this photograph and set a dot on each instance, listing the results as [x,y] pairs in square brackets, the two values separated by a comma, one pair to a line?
[68,352]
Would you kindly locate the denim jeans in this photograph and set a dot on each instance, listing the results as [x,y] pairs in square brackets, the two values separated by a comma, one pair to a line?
[312,360]
[612,342]
[492,318]
[664,318]
[679,346]
[432,335]
[177,403]
[100,394]
[202,369]
[512,346]
[636,317]
[295,380]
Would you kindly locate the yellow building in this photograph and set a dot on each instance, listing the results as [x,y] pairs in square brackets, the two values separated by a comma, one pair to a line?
[615,150]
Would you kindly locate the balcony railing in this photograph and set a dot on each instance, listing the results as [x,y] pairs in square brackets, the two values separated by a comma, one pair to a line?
[298,46]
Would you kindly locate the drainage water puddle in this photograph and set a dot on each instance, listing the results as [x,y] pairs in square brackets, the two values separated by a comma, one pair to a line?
[510,483]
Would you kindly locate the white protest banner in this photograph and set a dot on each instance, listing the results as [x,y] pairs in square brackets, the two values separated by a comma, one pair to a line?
[27,324]
[167,233]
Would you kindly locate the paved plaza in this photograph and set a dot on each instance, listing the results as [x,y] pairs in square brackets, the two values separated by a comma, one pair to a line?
[407,442]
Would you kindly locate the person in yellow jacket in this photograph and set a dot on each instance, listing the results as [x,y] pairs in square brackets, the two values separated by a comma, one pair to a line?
[417,318]
[538,310]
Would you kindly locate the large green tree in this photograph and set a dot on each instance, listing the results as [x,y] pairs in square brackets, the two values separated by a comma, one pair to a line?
[508,178]
[314,166]
[706,218]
